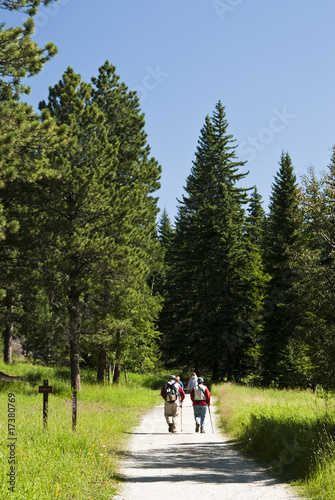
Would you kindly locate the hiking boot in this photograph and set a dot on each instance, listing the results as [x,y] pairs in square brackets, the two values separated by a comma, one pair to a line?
[197,427]
[202,431]
[170,427]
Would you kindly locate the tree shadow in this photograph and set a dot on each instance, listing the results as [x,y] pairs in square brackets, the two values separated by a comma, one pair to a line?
[214,463]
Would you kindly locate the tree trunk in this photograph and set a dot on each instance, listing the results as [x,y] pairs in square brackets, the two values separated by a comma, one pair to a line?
[126,375]
[108,372]
[74,340]
[116,375]
[8,333]
[101,365]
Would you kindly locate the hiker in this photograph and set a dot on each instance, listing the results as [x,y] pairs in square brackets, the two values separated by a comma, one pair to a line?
[174,395]
[201,398]
[180,383]
[192,382]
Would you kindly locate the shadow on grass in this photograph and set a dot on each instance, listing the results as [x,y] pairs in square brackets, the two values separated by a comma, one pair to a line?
[29,382]
[33,378]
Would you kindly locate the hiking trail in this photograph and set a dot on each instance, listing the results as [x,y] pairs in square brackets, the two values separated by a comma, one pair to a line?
[190,466]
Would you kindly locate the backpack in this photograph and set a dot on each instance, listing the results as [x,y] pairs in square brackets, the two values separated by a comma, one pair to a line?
[199,393]
[171,393]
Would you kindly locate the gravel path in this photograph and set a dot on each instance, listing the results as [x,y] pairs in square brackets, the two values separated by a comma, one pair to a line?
[191,466]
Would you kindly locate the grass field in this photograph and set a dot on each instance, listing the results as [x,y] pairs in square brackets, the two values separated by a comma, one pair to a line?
[57,462]
[293,432]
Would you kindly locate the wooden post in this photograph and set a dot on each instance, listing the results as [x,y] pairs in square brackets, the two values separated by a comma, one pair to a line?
[45,389]
[74,410]
[109,370]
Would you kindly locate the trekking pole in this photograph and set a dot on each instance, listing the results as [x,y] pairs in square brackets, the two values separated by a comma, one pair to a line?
[181,418]
[210,417]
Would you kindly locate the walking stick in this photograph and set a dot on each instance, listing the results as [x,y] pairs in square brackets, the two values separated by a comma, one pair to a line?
[210,417]
[181,418]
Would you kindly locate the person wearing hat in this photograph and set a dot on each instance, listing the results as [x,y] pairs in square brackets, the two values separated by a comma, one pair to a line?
[180,383]
[173,395]
[201,399]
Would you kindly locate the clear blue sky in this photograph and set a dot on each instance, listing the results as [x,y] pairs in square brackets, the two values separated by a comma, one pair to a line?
[270,62]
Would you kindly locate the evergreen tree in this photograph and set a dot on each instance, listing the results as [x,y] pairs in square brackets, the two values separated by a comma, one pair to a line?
[72,211]
[316,290]
[137,175]
[165,236]
[212,272]
[328,226]
[254,230]
[23,144]
[22,139]
[21,131]
[283,226]
[20,56]
[256,218]
[165,230]
[97,244]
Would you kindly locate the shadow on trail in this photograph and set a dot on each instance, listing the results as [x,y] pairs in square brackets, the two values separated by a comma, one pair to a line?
[214,463]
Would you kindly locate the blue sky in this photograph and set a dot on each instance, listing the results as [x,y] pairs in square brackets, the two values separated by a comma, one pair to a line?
[270,62]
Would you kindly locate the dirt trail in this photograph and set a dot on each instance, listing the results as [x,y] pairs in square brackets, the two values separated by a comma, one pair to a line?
[191,466]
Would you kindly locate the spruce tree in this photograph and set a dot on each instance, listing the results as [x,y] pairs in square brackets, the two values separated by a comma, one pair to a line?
[165,230]
[256,218]
[283,227]
[254,231]
[316,291]
[212,272]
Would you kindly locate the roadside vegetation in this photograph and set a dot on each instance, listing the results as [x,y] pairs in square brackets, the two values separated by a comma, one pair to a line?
[57,462]
[292,431]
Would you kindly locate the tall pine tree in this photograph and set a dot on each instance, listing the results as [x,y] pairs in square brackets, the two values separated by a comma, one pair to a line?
[95,221]
[22,140]
[137,175]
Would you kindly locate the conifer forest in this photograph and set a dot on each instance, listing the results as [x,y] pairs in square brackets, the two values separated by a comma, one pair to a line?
[92,275]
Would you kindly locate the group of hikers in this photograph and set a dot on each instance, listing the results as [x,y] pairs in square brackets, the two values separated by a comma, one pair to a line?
[173,393]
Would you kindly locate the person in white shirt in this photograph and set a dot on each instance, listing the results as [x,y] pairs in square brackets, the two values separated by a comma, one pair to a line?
[192,383]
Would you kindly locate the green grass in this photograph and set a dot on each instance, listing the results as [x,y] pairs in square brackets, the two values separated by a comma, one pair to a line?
[292,431]
[57,462]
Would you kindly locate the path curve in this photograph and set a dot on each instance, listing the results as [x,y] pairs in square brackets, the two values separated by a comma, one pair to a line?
[191,466]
